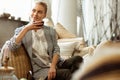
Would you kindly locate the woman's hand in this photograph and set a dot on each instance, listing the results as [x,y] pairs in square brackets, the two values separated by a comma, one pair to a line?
[51,73]
[34,25]
[30,26]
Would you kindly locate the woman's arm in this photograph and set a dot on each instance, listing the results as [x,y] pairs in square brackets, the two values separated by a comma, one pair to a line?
[52,70]
[56,55]
[15,41]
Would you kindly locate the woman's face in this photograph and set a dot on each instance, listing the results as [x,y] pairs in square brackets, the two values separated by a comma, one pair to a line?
[38,13]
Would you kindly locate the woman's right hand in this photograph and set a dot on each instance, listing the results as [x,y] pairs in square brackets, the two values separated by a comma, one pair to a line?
[34,25]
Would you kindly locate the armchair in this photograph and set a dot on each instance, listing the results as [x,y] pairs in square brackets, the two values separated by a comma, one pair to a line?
[20,61]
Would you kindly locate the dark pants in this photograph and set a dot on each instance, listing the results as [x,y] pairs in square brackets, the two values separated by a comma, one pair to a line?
[69,66]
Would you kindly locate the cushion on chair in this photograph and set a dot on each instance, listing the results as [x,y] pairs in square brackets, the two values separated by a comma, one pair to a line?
[67,49]
[63,32]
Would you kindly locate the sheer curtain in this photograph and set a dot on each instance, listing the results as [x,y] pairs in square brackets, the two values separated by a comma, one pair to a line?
[97,16]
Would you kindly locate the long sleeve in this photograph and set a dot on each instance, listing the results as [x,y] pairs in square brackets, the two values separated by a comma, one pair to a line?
[11,43]
[56,47]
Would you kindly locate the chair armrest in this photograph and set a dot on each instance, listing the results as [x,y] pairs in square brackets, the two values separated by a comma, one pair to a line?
[20,60]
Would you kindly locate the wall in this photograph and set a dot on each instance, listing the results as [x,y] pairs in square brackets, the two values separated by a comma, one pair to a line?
[65,12]
[7,28]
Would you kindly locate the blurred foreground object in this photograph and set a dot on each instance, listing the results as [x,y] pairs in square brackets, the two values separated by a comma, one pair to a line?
[103,65]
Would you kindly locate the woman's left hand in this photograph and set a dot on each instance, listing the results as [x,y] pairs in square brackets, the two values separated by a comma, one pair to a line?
[51,73]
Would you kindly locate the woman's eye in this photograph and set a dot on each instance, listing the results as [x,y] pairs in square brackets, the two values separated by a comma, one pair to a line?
[33,10]
[40,12]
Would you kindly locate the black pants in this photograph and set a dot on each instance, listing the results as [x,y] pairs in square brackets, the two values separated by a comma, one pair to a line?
[64,71]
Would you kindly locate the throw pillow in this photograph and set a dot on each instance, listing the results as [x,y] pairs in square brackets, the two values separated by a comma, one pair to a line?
[67,49]
[80,42]
[62,32]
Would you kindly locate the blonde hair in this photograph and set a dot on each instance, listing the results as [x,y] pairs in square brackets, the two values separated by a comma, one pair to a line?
[43,4]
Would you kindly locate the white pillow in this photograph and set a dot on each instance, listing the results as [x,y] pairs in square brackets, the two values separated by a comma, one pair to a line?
[66,49]
[80,42]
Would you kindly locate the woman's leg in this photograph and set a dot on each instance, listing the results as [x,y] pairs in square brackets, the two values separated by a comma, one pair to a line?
[62,74]
[65,70]
[72,63]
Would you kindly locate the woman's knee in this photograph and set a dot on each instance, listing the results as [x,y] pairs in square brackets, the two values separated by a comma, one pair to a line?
[77,59]
[63,74]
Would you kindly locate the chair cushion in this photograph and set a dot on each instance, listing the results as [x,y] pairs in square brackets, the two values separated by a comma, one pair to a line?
[67,49]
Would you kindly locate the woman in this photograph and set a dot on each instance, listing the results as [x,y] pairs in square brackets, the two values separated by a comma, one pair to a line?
[41,45]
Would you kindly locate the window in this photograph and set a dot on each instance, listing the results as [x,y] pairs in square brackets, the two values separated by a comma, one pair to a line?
[17,8]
